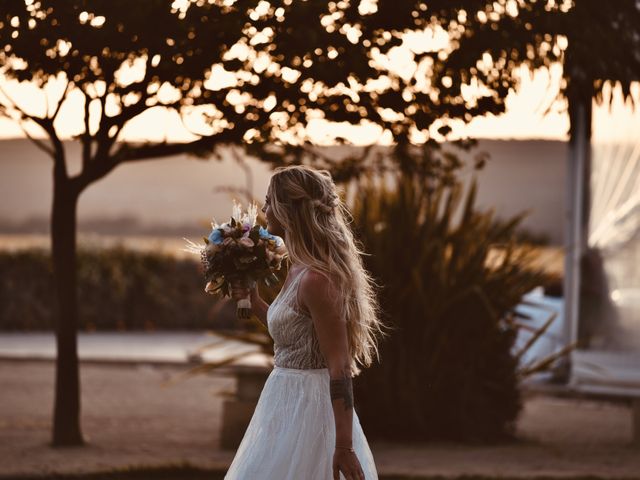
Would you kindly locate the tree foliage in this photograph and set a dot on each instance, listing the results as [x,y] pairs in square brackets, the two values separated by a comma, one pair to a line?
[234,71]
[452,274]
[595,42]
[248,71]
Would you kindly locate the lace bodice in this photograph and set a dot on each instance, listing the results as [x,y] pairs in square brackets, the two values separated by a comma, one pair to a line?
[295,340]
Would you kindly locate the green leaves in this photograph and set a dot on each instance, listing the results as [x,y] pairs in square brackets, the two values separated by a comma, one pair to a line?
[451,274]
[592,41]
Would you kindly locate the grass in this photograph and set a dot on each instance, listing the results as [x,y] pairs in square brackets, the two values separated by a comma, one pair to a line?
[177,471]
[187,472]
[168,245]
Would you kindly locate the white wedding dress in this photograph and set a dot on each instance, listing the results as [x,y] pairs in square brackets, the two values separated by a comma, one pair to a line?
[291,435]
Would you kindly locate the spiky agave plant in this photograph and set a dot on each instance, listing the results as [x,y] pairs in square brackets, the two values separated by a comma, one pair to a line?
[446,371]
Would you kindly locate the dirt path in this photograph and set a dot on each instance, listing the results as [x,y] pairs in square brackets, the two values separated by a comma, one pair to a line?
[129,419]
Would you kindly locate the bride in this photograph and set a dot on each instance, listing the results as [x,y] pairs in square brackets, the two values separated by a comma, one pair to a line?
[323,322]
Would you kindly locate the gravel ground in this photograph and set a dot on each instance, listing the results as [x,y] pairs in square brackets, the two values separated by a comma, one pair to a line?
[130,419]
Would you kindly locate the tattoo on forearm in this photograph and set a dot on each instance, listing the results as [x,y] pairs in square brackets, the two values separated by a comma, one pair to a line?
[342,388]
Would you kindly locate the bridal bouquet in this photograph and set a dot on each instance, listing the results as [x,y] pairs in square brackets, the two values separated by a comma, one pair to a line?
[239,250]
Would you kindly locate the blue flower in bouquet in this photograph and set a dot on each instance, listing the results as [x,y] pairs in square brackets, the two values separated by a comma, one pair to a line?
[216,236]
[264,233]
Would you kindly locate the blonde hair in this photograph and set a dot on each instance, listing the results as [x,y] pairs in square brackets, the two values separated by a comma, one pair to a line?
[306,203]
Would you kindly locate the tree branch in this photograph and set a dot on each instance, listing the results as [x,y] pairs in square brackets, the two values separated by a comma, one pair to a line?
[105,141]
[184,124]
[20,121]
[128,152]
[127,113]
[61,101]
[94,170]
[85,137]
[103,163]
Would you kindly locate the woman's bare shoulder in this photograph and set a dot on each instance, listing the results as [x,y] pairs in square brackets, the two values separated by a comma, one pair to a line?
[317,287]
[315,278]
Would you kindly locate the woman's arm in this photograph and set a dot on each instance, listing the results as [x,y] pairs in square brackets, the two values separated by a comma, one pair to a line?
[319,296]
[259,307]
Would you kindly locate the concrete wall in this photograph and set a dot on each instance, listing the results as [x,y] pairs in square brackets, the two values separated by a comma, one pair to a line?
[177,194]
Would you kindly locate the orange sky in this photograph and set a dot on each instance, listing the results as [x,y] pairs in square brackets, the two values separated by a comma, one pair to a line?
[522,120]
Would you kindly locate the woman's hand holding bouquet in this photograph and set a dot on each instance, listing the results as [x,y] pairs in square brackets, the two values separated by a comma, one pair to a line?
[237,254]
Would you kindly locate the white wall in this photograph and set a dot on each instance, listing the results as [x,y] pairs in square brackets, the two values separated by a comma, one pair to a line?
[179,191]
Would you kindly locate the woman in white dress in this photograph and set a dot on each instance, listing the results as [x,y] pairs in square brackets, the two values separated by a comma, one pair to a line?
[324,322]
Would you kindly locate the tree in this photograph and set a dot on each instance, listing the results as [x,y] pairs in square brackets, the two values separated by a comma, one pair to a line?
[85,45]
[595,44]
[267,77]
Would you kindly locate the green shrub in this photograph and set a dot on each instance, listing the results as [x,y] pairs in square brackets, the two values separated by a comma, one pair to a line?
[26,294]
[446,371]
[117,289]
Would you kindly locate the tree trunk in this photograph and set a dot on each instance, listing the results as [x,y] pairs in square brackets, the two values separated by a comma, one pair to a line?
[66,419]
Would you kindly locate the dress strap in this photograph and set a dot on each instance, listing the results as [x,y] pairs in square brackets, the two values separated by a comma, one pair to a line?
[293,287]
[296,280]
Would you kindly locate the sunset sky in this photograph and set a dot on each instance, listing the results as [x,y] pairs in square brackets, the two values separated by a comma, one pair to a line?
[524,118]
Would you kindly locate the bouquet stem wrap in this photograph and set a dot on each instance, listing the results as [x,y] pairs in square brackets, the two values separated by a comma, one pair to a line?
[244,311]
